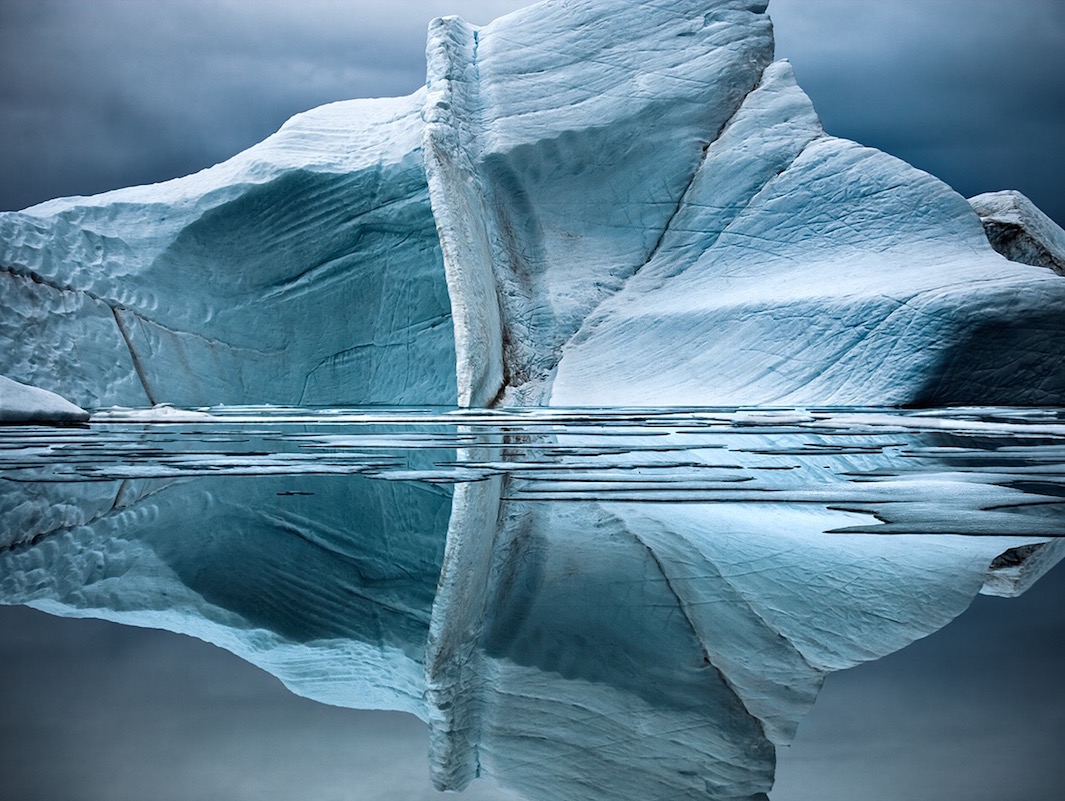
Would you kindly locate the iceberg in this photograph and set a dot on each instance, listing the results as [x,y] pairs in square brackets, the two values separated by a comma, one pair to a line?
[590,203]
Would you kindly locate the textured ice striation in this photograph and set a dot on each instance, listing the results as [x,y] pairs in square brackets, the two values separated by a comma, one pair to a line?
[592,203]
[306,270]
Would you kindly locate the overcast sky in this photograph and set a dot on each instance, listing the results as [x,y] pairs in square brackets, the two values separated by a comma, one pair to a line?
[97,94]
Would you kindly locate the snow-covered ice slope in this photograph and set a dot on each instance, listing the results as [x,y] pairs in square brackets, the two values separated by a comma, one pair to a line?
[595,202]
[305,270]
[20,403]
[802,268]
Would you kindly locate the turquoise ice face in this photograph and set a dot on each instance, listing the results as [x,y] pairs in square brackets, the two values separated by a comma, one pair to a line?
[306,270]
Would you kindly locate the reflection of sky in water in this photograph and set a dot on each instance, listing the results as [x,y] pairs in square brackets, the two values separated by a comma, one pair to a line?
[683,580]
[123,714]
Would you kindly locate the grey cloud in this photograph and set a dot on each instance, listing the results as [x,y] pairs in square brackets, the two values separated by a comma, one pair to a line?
[98,712]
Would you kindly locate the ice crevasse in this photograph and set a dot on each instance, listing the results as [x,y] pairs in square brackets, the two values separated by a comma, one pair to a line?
[586,205]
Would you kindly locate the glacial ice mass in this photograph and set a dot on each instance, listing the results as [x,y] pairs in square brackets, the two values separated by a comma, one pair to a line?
[23,404]
[591,203]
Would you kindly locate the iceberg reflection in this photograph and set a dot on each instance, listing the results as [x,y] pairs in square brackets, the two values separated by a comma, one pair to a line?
[580,605]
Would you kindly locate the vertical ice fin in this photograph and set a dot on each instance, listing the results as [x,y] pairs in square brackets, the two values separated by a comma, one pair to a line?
[453,660]
[460,207]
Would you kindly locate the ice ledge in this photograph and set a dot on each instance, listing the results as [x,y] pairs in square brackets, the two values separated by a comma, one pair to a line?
[1014,571]
[1018,230]
[20,403]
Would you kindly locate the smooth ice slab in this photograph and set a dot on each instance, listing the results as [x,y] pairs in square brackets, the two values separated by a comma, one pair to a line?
[23,404]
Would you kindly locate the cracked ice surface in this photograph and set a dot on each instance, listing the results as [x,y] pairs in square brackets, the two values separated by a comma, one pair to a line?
[591,203]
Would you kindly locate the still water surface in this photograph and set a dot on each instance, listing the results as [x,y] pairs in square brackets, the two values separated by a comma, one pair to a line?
[580,603]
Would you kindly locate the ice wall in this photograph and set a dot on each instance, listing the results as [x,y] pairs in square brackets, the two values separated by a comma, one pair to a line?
[576,128]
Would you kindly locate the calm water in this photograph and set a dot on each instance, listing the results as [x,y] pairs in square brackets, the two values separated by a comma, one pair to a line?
[580,603]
